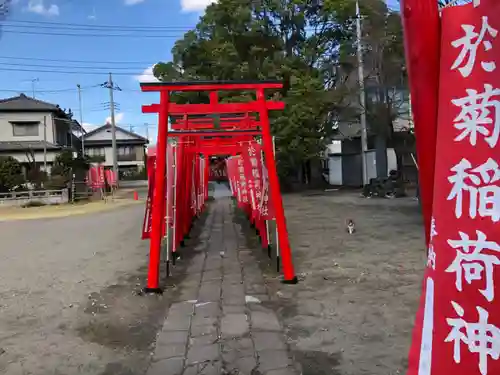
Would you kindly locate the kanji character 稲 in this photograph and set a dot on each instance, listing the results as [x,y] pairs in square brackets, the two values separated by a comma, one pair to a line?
[484,193]
[460,185]
[470,44]
[253,161]
[479,115]
[473,264]
[482,337]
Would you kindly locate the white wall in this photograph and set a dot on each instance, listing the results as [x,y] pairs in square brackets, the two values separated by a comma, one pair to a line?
[335,170]
[335,166]
[392,163]
[105,135]
[334,148]
[22,158]
[6,133]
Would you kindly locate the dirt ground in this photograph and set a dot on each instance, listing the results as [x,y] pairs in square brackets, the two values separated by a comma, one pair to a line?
[352,312]
[69,301]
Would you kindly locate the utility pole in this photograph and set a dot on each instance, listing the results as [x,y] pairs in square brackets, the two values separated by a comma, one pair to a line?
[110,85]
[45,144]
[147,130]
[131,128]
[81,118]
[362,98]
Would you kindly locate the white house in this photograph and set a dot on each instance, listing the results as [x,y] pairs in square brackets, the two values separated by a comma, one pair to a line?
[34,131]
[130,148]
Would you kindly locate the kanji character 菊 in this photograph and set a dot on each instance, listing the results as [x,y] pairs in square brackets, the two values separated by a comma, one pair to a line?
[470,44]
[479,115]
[482,337]
[471,261]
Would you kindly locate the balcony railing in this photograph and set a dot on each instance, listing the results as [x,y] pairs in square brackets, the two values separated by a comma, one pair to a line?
[127,157]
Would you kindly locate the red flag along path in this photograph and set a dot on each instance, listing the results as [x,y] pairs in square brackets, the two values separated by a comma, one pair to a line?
[458,325]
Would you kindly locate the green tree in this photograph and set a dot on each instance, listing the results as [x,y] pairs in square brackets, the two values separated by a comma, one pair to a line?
[65,164]
[290,40]
[10,173]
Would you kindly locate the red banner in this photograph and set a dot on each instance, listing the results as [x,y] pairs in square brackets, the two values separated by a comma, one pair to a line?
[95,177]
[266,205]
[242,182]
[111,178]
[458,324]
[251,155]
[151,162]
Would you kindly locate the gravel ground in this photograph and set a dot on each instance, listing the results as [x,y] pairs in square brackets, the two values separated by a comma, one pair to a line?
[67,296]
[352,312]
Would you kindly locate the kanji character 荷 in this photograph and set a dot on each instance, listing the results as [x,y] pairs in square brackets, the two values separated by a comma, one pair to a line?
[471,261]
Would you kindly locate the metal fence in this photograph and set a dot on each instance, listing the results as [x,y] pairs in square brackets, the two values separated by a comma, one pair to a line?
[47,197]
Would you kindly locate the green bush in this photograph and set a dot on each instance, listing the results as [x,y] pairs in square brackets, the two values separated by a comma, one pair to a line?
[11,173]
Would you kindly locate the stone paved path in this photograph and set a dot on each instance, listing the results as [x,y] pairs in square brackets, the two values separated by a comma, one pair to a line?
[218,325]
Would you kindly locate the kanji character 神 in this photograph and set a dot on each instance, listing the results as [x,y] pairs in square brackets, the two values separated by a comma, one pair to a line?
[479,114]
[483,200]
[482,337]
[470,44]
[471,261]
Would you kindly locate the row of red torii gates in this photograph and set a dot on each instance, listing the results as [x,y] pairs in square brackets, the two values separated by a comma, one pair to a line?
[453,63]
[178,172]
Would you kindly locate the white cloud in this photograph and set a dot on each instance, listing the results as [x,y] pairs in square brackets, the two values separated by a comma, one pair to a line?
[147,75]
[39,7]
[133,2]
[195,5]
[89,127]
[118,118]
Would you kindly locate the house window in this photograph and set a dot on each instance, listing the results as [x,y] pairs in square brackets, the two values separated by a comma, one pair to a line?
[95,151]
[25,129]
[125,150]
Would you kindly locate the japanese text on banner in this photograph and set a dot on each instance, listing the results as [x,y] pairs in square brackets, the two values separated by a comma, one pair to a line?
[464,258]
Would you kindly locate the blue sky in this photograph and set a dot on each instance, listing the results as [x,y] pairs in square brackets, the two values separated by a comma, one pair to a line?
[23,37]
[28,56]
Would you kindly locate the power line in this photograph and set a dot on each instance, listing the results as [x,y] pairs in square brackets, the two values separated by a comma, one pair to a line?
[75,61]
[54,91]
[91,35]
[102,26]
[107,68]
[69,72]
[97,28]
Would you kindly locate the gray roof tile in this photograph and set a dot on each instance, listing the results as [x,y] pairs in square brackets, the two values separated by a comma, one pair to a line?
[25,103]
[26,145]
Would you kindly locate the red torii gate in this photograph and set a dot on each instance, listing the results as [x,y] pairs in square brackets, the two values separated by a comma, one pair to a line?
[246,127]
